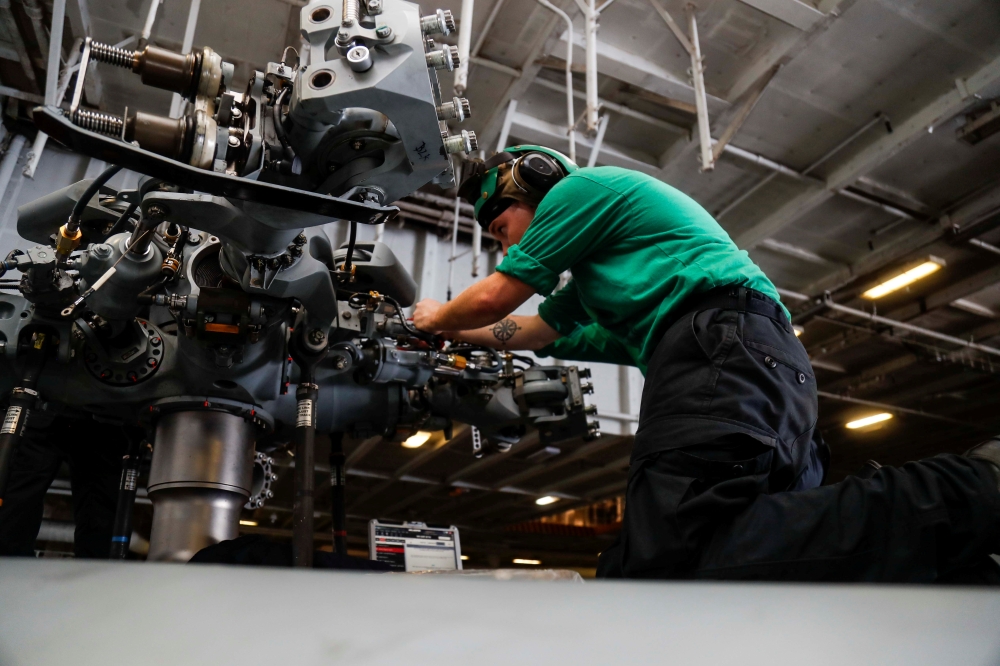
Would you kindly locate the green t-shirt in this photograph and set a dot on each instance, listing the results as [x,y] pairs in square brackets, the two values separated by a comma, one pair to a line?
[637,249]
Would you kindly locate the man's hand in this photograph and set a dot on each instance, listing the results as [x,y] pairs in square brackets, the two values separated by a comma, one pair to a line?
[425,315]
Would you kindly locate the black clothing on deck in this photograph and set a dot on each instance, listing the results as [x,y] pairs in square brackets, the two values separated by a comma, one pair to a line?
[94,454]
[726,467]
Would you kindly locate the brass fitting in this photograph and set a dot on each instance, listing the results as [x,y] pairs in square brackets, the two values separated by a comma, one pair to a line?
[170,266]
[67,241]
[456,361]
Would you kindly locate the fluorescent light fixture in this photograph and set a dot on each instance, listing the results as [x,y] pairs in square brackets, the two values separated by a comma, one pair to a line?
[798,330]
[249,523]
[869,420]
[518,560]
[417,440]
[905,278]
[465,557]
[548,499]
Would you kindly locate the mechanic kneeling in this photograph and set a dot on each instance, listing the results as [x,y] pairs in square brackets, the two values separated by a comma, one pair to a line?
[727,464]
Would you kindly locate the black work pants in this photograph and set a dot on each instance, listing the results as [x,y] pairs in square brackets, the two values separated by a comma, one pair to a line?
[94,455]
[726,467]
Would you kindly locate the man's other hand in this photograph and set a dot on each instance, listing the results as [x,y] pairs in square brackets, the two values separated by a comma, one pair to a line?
[425,315]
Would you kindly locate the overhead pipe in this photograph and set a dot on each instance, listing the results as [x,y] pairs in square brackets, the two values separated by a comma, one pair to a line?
[595,150]
[454,245]
[879,117]
[592,16]
[570,114]
[874,318]
[147,28]
[886,407]
[486,27]
[464,42]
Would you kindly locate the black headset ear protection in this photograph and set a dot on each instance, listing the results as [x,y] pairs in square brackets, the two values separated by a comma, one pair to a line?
[536,173]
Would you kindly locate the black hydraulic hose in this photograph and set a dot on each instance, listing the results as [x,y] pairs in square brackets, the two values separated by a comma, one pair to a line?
[74,217]
[22,400]
[124,217]
[338,482]
[121,532]
[279,129]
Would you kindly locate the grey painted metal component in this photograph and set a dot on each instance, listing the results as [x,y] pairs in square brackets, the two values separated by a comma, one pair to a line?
[199,480]
[398,84]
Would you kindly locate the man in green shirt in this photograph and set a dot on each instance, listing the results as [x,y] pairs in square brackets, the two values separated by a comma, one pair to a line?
[726,466]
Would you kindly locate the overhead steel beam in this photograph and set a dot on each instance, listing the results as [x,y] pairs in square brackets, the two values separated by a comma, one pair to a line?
[937,111]
[517,87]
[17,42]
[644,73]
[421,459]
[792,12]
[959,218]
[7,91]
[617,108]
[533,129]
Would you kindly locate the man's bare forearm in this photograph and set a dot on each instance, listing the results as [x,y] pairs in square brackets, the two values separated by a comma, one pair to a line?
[513,332]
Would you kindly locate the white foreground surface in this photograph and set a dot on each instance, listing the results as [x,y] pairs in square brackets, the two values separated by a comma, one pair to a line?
[83,613]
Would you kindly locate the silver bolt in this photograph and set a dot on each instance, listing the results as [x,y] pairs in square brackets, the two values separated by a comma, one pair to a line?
[446,58]
[234,141]
[441,22]
[465,142]
[457,109]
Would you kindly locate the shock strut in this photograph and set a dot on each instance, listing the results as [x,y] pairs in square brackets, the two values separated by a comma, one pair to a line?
[308,348]
[22,400]
[121,533]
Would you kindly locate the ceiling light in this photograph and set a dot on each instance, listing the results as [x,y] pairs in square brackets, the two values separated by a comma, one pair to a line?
[869,420]
[249,523]
[548,499]
[798,330]
[465,557]
[518,560]
[417,440]
[932,265]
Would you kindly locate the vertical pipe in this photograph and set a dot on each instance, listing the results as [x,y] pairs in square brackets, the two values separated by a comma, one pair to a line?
[464,47]
[379,232]
[305,483]
[592,16]
[477,248]
[338,482]
[121,533]
[55,51]
[147,29]
[701,101]
[508,120]
[192,24]
[454,244]
[598,141]
[570,115]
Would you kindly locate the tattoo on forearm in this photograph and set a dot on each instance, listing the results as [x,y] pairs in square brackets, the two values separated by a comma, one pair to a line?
[504,330]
